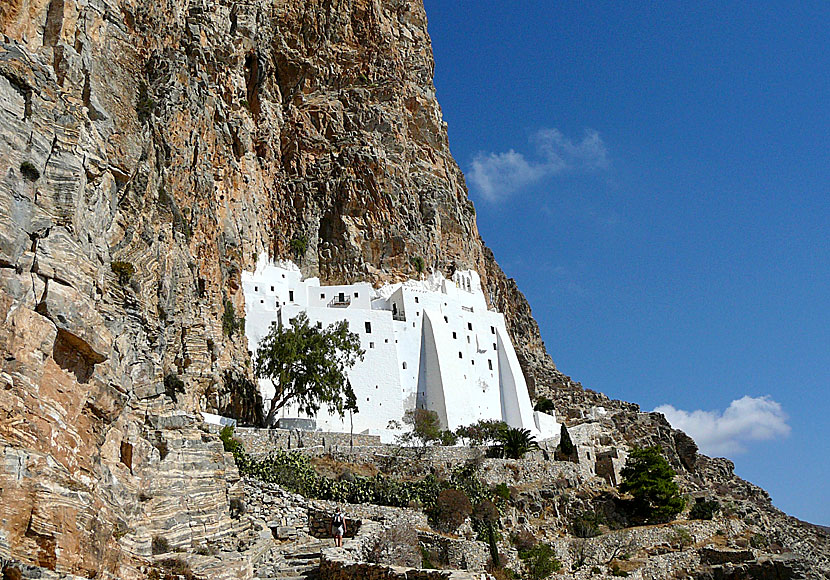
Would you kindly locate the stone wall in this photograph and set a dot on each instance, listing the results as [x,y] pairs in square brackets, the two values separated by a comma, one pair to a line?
[263,441]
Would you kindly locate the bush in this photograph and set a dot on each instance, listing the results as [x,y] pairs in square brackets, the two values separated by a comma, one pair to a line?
[299,245]
[123,271]
[544,405]
[540,561]
[452,507]
[173,385]
[418,263]
[682,538]
[484,431]
[230,323]
[704,509]
[29,171]
[396,546]
[426,428]
[586,525]
[650,480]
[159,545]
[523,540]
[178,567]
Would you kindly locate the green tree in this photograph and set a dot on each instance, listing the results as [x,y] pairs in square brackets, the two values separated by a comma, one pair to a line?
[308,366]
[649,478]
[544,405]
[426,427]
[540,561]
[483,431]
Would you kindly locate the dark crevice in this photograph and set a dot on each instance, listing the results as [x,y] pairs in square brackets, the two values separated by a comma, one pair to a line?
[24,89]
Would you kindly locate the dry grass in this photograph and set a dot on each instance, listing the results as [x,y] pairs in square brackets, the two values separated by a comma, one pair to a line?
[327,466]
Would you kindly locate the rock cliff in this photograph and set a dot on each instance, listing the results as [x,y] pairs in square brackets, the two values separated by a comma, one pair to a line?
[149,151]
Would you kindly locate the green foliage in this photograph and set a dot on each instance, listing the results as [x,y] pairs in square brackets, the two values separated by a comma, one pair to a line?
[516,442]
[683,538]
[544,405]
[493,546]
[452,507]
[540,561]
[759,541]
[482,432]
[426,427]
[704,509]
[649,478]
[426,559]
[566,446]
[230,444]
[159,545]
[173,385]
[230,323]
[586,524]
[123,271]
[502,491]
[308,366]
[29,171]
[299,246]
[616,571]
[418,263]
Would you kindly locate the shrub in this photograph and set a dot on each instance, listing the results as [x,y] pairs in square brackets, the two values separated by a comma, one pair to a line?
[29,171]
[230,323]
[484,431]
[418,263]
[502,491]
[759,541]
[452,507]
[426,428]
[173,385]
[159,545]
[299,246]
[123,270]
[682,538]
[616,571]
[396,546]
[704,509]
[178,567]
[650,480]
[523,540]
[540,561]
[586,524]
[544,405]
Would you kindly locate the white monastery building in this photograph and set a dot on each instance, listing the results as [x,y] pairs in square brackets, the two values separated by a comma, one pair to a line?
[429,344]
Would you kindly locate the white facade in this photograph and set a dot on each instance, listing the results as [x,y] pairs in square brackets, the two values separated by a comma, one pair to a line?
[431,344]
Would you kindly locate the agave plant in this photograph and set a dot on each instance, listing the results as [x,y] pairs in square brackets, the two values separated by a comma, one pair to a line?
[516,442]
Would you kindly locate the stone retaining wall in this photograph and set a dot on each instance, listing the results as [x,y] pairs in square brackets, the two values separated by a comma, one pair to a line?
[264,441]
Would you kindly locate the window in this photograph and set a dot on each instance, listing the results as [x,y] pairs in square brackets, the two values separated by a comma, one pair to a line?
[493,329]
[468,339]
[368,327]
[291,295]
[489,364]
[473,361]
[356,295]
[460,355]
[417,314]
[273,323]
[272,288]
[446,320]
[386,340]
[322,296]
[319,324]
[262,301]
[454,335]
[416,300]
[371,345]
[469,326]
[494,346]
[256,288]
[404,365]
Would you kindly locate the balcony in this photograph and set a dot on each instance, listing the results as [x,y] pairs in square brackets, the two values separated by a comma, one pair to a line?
[340,301]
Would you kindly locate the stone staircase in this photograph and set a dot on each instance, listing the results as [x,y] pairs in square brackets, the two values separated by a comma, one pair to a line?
[298,560]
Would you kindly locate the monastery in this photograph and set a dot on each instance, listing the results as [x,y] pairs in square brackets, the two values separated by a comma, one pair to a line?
[429,344]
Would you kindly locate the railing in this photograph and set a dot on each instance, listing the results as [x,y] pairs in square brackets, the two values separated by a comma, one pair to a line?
[467,308]
[399,317]
[340,302]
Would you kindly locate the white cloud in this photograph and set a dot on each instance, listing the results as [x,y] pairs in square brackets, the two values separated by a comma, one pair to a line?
[723,434]
[495,176]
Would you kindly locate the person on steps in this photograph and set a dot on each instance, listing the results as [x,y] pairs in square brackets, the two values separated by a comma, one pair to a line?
[338,527]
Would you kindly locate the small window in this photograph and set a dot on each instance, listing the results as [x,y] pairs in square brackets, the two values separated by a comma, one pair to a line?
[262,301]
[454,335]
[494,346]
[319,324]
[291,295]
[322,296]
[273,323]
[386,340]
[489,364]
[355,295]
[417,314]
[469,326]
[404,365]
[493,329]
[272,288]
[368,327]
[416,300]
[283,275]
[446,320]
[473,361]
[371,345]
[468,340]
[460,355]
[256,288]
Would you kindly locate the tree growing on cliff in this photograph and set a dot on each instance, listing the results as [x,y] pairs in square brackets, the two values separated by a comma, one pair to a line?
[649,478]
[308,366]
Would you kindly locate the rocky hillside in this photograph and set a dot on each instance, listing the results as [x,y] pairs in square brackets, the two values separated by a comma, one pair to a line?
[150,151]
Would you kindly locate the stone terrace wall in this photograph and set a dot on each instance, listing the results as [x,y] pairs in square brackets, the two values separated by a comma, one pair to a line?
[264,441]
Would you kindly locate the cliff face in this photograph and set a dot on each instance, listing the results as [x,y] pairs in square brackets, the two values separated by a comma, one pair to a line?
[149,151]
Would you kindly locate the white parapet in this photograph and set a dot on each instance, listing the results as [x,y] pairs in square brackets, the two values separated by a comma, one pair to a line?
[430,344]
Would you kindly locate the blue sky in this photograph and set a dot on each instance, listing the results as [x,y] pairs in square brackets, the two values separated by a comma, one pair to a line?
[656,177]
